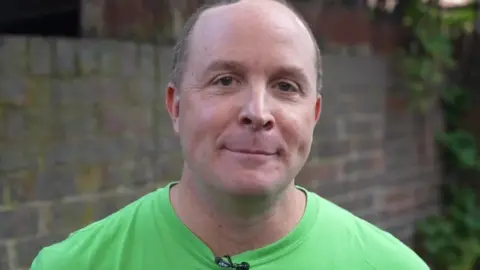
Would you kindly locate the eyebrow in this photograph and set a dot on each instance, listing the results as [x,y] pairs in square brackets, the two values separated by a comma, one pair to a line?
[292,71]
[219,65]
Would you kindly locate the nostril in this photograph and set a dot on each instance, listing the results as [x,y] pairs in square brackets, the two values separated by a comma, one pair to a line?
[268,125]
[247,121]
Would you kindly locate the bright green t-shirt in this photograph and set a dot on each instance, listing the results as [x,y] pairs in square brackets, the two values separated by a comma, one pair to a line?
[148,235]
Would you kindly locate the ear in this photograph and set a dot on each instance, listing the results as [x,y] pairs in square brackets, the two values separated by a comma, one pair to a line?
[318,107]
[172,102]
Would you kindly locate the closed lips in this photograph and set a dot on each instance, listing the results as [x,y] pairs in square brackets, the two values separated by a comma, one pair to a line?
[251,151]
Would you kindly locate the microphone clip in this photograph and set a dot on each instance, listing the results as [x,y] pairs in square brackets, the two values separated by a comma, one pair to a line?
[227,263]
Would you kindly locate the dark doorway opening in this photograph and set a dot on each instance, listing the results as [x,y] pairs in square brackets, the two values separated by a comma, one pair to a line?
[64,23]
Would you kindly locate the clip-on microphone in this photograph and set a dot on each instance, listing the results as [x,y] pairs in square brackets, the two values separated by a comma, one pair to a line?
[229,264]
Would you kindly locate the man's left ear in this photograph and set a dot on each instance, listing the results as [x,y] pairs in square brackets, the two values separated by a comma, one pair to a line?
[318,107]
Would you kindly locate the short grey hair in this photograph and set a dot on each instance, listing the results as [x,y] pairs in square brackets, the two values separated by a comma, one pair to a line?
[181,48]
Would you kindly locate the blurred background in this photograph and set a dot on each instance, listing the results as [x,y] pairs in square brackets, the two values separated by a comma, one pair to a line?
[84,131]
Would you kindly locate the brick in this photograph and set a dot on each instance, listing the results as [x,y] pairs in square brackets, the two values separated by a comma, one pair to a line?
[17,187]
[165,59]
[367,162]
[363,127]
[398,201]
[16,125]
[79,122]
[143,170]
[147,147]
[122,119]
[89,55]
[61,152]
[147,60]
[364,181]
[372,92]
[329,130]
[87,150]
[63,92]
[128,61]
[122,173]
[28,249]
[64,58]
[401,154]
[3,127]
[331,190]
[18,222]
[13,91]
[169,167]
[38,92]
[40,56]
[369,106]
[316,173]
[428,194]
[111,118]
[98,150]
[356,201]
[67,217]
[13,56]
[56,182]
[141,91]
[336,108]
[110,62]
[90,178]
[110,90]
[85,90]
[168,143]
[365,144]
[332,148]
[4,261]
[40,125]
[15,156]
[139,119]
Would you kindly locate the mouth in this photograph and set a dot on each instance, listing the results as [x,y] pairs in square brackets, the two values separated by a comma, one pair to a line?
[258,152]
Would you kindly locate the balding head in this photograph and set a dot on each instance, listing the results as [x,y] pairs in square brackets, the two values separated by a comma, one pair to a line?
[250,10]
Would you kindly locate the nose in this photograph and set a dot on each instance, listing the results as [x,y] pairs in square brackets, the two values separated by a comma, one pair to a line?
[256,114]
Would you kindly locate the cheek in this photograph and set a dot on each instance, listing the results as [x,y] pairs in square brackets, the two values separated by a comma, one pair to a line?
[199,126]
[297,131]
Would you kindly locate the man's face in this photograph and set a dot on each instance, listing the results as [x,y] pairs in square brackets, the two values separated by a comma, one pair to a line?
[248,105]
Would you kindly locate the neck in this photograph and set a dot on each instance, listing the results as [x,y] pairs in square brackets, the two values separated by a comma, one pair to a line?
[233,224]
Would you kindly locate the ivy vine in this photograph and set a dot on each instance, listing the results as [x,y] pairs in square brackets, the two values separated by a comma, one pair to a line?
[433,73]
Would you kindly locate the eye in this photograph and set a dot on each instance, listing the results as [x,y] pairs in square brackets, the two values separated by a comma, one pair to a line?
[287,87]
[224,81]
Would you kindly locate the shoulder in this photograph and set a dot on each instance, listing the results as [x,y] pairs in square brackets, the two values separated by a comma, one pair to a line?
[81,248]
[57,257]
[376,248]
[383,251]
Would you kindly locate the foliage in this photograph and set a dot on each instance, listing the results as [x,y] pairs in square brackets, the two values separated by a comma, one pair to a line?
[451,240]
[430,55]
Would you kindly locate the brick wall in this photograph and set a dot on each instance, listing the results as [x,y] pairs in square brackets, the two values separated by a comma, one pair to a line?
[160,21]
[83,131]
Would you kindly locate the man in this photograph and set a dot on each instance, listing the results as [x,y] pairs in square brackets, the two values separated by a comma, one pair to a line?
[244,101]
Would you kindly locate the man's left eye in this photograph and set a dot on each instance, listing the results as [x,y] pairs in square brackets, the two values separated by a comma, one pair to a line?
[286,87]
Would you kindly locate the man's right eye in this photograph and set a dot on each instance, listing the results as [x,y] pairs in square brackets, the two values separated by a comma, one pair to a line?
[224,81]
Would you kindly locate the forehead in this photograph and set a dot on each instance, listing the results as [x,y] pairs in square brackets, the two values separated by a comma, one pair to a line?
[258,35]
